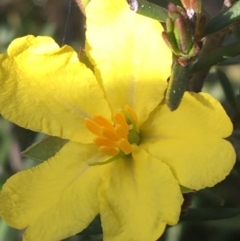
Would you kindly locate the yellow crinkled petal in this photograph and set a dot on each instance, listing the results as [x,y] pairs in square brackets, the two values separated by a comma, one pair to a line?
[190,140]
[31,44]
[55,199]
[46,89]
[131,59]
[197,162]
[138,197]
[198,114]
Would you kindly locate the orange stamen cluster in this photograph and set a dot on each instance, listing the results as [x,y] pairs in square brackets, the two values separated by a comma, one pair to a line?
[112,138]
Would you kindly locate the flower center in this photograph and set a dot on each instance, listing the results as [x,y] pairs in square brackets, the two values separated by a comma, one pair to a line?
[115,139]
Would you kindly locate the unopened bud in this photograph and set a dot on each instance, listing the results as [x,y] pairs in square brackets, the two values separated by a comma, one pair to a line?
[183,35]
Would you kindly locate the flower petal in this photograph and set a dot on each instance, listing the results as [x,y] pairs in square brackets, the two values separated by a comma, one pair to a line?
[190,140]
[46,89]
[198,114]
[138,197]
[55,199]
[128,52]
[197,162]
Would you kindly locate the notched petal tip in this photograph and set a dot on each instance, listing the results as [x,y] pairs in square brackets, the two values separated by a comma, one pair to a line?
[214,112]
[30,43]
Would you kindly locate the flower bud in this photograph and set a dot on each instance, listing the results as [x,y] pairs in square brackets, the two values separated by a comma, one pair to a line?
[181,29]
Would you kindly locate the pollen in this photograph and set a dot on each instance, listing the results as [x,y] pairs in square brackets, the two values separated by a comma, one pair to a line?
[113,136]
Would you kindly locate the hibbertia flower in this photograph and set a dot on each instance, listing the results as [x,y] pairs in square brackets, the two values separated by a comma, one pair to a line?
[127,154]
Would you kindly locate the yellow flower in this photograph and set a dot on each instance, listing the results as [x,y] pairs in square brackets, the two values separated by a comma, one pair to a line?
[113,111]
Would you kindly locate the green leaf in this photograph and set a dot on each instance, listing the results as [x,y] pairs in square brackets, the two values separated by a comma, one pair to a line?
[44,149]
[152,10]
[177,85]
[207,214]
[227,88]
[223,19]
[216,57]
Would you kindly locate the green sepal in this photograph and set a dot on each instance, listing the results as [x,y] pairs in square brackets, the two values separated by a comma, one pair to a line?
[185,189]
[216,57]
[207,214]
[223,19]
[177,85]
[44,149]
[152,10]
[111,159]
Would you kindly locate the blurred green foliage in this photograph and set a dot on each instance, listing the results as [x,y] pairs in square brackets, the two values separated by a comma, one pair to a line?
[214,212]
